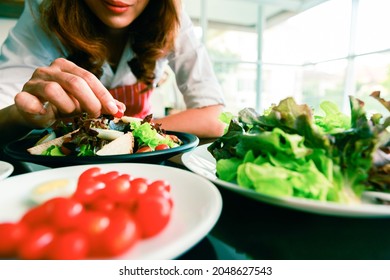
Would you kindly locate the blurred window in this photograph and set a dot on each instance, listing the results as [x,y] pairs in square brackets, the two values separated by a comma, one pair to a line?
[373,74]
[335,49]
[373,26]
[318,34]
[324,81]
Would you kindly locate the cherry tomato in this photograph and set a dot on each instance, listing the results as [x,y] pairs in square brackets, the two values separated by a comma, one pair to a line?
[93,223]
[159,185]
[120,113]
[102,204]
[36,216]
[63,212]
[107,214]
[138,187]
[162,147]
[71,245]
[140,184]
[127,176]
[118,189]
[37,243]
[106,177]
[121,234]
[144,149]
[11,235]
[89,174]
[88,186]
[160,188]
[152,214]
[88,190]
[162,194]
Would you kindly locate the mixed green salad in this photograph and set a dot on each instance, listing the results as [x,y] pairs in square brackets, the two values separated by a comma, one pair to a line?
[290,151]
[88,136]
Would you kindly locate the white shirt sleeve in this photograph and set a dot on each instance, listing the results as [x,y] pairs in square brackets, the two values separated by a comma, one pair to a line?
[26,48]
[194,73]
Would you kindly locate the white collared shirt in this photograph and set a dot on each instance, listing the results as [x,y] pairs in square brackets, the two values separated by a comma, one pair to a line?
[28,47]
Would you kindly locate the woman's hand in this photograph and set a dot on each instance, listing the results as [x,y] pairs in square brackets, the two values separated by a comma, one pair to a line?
[63,90]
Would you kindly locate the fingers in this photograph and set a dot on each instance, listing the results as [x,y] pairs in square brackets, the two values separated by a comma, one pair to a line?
[28,103]
[85,87]
[70,89]
[51,92]
[121,107]
[33,111]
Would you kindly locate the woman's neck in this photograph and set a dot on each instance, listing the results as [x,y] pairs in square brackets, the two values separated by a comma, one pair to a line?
[116,42]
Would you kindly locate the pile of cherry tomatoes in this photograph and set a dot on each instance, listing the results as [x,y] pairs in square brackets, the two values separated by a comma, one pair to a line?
[107,214]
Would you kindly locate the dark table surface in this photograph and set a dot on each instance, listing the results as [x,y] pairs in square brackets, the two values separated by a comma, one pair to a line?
[252,230]
[249,229]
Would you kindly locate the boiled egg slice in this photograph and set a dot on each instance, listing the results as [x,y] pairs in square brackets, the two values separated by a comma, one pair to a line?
[51,189]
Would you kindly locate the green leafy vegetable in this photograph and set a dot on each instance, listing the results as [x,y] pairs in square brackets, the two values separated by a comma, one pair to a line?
[226,118]
[334,121]
[147,135]
[87,137]
[86,150]
[53,150]
[290,152]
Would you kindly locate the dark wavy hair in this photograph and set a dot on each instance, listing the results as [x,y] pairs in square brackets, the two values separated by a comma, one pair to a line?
[151,35]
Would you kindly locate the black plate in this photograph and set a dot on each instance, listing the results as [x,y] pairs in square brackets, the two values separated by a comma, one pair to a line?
[17,150]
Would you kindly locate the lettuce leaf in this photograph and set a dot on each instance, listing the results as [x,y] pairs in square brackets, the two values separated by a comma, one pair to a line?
[149,136]
[288,151]
[334,120]
[53,150]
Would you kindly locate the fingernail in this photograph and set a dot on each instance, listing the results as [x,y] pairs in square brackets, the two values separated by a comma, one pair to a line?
[112,107]
[44,108]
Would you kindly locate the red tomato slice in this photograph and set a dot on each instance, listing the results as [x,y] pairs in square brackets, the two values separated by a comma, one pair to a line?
[161,147]
[144,149]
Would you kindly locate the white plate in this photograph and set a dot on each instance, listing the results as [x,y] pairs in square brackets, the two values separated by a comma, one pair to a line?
[6,169]
[197,204]
[201,161]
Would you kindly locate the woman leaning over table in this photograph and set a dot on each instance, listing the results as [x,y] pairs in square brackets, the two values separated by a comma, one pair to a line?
[65,57]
